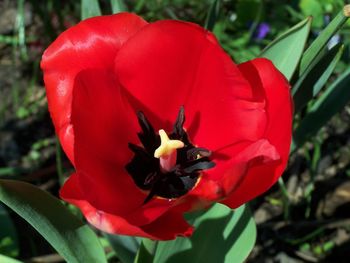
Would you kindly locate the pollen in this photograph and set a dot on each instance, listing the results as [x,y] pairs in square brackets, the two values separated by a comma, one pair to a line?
[167,146]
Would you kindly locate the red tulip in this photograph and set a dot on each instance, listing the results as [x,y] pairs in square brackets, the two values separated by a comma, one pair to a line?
[158,121]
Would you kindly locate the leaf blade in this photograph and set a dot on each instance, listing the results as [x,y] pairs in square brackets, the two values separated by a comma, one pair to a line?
[9,233]
[212,15]
[118,6]
[320,42]
[286,50]
[238,237]
[311,82]
[331,102]
[90,8]
[125,246]
[5,259]
[74,241]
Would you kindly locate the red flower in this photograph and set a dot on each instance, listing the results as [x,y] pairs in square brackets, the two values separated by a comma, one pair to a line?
[113,82]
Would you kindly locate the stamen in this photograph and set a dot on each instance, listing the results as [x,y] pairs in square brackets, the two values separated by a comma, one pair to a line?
[197,153]
[166,152]
[167,168]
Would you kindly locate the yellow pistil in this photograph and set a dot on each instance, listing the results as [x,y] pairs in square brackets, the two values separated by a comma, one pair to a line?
[167,146]
[166,152]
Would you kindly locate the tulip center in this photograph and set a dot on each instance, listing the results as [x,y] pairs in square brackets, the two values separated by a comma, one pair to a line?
[167,152]
[166,165]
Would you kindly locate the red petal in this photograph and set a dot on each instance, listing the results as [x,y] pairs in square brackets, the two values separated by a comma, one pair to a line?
[279,107]
[169,226]
[244,155]
[164,228]
[104,124]
[261,176]
[232,164]
[168,64]
[92,43]
[225,108]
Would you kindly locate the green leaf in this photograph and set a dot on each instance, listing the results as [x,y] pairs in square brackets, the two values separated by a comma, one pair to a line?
[146,251]
[118,6]
[332,101]
[73,240]
[311,82]
[312,8]
[139,5]
[124,246]
[221,235]
[8,234]
[249,11]
[285,51]
[5,259]
[321,41]
[212,15]
[90,8]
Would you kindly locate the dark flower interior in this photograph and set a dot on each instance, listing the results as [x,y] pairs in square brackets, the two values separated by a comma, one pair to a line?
[146,171]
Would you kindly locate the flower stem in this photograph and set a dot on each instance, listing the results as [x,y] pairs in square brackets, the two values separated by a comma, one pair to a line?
[286,198]
[147,251]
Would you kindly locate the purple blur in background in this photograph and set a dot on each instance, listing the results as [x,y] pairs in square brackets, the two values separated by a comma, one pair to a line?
[262,30]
